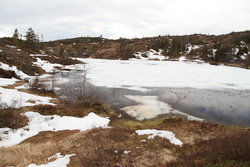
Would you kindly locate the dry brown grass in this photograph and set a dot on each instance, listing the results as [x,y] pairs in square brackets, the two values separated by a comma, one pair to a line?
[230,148]
[75,110]
[12,118]
[39,92]
[28,153]
[19,83]
[204,144]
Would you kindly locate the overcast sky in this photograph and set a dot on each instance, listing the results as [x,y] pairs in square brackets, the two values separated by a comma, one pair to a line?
[60,19]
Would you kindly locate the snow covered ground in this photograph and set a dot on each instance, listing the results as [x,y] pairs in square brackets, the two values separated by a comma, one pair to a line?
[61,161]
[13,68]
[151,55]
[39,123]
[5,81]
[16,99]
[48,67]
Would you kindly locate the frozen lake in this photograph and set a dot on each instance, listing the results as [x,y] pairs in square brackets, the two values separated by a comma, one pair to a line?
[146,89]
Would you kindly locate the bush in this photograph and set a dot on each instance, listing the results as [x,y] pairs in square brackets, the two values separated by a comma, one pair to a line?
[36,84]
[45,109]
[8,74]
[12,118]
[228,150]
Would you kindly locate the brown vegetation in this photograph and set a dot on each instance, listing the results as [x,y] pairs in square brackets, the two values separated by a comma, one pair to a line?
[12,118]
[74,110]
[205,144]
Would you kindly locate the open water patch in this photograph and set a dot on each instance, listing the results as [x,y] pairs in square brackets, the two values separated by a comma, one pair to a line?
[224,106]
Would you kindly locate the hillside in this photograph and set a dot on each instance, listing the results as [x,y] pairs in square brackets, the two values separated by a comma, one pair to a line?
[229,48]
[39,126]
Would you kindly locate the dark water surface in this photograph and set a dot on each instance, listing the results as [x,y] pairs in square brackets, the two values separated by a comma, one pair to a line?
[227,106]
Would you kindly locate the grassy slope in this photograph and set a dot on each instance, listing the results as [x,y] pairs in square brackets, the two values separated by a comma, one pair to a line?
[205,144]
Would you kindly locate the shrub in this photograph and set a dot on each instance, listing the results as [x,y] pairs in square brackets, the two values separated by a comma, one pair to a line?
[8,74]
[12,118]
[45,109]
[228,150]
[36,84]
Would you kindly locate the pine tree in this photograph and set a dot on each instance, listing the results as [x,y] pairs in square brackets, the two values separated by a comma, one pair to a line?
[16,34]
[32,40]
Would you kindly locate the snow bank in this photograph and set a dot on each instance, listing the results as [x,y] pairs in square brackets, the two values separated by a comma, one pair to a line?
[45,65]
[151,54]
[137,74]
[161,133]
[14,98]
[193,47]
[14,68]
[61,161]
[5,81]
[38,123]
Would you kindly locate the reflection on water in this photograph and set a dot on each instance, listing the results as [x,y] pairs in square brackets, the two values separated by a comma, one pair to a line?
[229,106]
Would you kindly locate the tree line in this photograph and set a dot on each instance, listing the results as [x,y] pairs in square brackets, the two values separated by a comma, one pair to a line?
[32,40]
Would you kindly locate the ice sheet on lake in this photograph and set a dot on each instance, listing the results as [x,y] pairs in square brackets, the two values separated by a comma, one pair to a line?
[150,107]
[142,73]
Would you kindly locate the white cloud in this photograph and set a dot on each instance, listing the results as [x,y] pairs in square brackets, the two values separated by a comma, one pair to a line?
[124,18]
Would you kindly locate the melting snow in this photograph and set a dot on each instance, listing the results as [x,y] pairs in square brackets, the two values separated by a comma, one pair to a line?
[151,54]
[161,133]
[61,161]
[14,68]
[14,98]
[38,123]
[48,67]
[5,81]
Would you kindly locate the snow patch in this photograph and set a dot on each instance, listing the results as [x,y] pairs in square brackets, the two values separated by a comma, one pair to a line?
[39,123]
[14,98]
[161,133]
[14,68]
[5,81]
[126,152]
[150,55]
[192,47]
[11,46]
[45,65]
[61,161]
